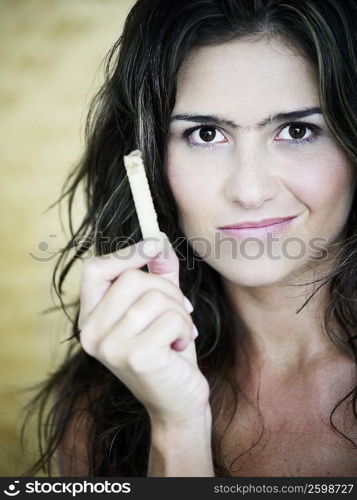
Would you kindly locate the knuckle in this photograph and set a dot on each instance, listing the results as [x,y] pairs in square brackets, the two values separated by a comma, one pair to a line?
[88,342]
[133,317]
[154,296]
[176,292]
[171,289]
[176,319]
[130,276]
[136,361]
[112,357]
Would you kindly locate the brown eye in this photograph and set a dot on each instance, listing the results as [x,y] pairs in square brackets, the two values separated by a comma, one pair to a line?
[204,136]
[297,131]
[207,134]
[298,134]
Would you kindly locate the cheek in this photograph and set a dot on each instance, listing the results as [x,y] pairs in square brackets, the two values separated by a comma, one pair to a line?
[325,185]
[193,193]
[324,180]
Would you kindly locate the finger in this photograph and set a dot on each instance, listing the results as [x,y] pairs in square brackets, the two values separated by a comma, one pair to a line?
[145,310]
[161,333]
[125,292]
[171,326]
[166,263]
[99,272]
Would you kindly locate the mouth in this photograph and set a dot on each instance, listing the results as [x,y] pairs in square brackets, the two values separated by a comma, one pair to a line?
[260,228]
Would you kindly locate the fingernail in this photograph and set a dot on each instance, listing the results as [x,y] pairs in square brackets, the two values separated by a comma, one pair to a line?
[195,332]
[151,248]
[188,305]
[179,345]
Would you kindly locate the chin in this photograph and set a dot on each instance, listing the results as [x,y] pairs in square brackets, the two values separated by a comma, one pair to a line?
[254,274]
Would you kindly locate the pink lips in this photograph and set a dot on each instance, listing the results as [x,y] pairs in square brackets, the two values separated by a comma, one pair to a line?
[260,223]
[258,228]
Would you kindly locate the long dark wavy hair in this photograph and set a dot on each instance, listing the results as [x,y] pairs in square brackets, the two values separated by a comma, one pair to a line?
[132,110]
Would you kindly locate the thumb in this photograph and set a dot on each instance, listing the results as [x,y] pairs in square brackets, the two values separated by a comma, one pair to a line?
[166,263]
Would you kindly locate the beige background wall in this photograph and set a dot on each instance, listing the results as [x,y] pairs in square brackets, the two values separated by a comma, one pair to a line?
[50,55]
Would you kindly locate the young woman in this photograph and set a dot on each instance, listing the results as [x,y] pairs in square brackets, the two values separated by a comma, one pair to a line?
[245,112]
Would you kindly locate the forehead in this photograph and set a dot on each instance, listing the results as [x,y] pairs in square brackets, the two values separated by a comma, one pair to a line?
[248,78]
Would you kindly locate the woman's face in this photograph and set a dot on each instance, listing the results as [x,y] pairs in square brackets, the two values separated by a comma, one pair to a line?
[232,159]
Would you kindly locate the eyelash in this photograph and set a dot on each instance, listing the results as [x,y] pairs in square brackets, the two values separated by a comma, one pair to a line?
[316,132]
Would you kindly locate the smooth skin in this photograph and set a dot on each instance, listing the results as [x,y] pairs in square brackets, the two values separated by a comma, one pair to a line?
[124,318]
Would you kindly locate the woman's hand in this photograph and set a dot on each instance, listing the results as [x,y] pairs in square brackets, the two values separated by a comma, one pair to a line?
[137,325]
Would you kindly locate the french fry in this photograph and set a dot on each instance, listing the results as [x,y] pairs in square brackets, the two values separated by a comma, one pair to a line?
[142,197]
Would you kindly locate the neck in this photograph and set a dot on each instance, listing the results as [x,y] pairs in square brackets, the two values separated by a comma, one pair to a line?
[276,337]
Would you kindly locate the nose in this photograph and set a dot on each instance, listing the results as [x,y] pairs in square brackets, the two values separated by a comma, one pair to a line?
[251,182]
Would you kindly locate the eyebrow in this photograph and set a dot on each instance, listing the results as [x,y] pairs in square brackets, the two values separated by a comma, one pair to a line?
[276,118]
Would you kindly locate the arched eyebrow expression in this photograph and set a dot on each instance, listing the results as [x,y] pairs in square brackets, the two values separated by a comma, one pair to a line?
[276,118]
